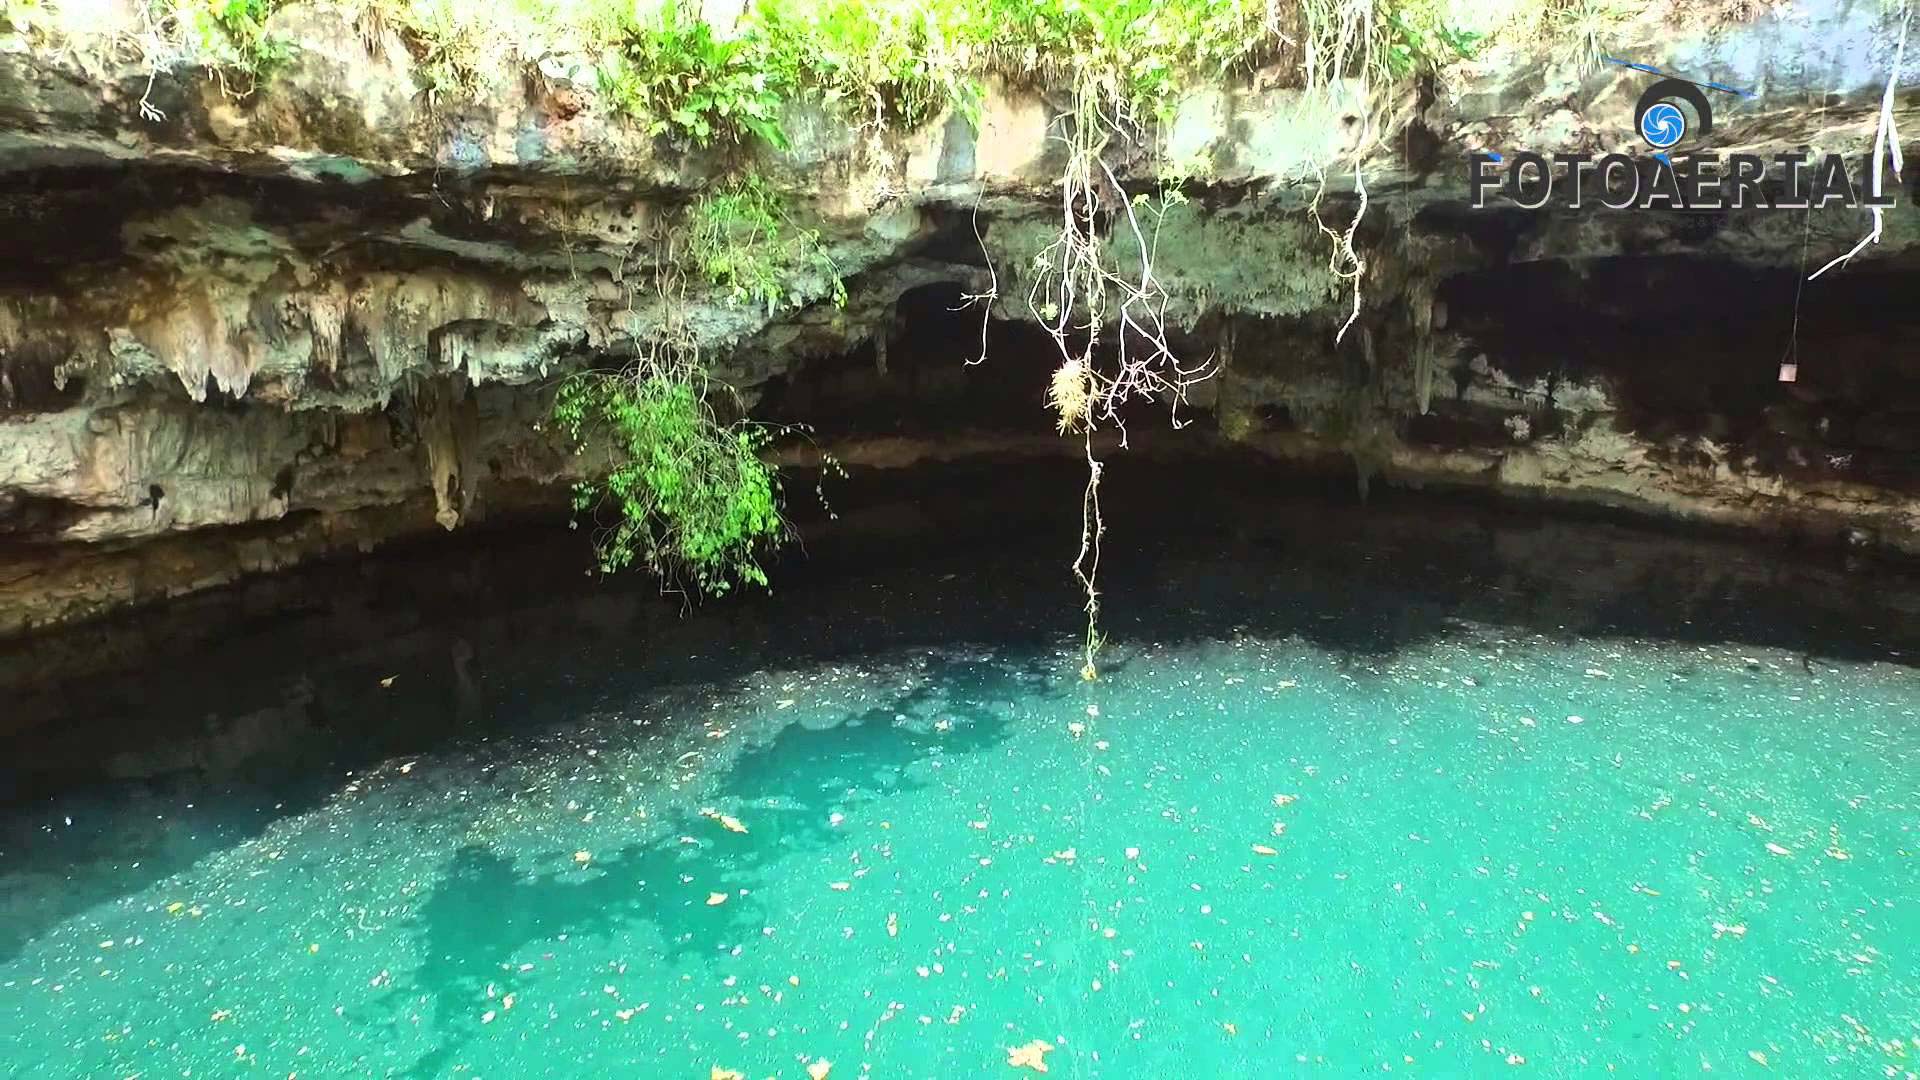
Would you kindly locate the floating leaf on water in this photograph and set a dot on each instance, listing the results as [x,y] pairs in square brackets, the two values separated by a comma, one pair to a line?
[1285,800]
[388,681]
[839,886]
[726,1074]
[1031,1056]
[819,1069]
[1777,849]
[1262,849]
[1757,1056]
[727,821]
[583,857]
[893,925]
[715,899]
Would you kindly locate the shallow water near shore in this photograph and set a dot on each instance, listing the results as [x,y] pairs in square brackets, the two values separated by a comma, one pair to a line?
[1245,851]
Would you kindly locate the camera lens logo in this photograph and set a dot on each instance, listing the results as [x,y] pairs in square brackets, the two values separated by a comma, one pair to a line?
[1671,110]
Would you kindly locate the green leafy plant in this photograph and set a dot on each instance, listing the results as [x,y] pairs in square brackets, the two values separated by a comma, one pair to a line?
[688,83]
[688,495]
[233,34]
[741,239]
[1417,38]
[24,16]
[888,62]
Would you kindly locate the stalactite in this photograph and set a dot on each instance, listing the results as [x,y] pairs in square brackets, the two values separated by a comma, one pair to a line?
[447,418]
[1420,314]
[1423,373]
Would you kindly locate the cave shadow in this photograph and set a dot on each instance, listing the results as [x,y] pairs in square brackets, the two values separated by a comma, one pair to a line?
[483,910]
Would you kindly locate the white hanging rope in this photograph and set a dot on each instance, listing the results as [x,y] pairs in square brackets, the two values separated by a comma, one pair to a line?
[1886,145]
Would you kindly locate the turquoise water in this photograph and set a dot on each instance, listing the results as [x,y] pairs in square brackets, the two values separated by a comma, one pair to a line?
[1485,852]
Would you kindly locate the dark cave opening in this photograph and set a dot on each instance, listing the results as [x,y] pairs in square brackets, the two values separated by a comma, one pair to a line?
[922,373]
[1694,347]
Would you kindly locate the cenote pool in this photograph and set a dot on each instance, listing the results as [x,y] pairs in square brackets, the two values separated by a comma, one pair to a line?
[1453,804]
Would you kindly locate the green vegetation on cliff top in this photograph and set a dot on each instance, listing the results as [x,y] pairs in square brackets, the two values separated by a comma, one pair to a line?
[885,62]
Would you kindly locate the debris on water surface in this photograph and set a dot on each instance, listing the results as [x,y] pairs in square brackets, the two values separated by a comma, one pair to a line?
[1777,849]
[1262,849]
[727,821]
[720,1073]
[715,899]
[583,857]
[1033,1055]
[1285,800]
[819,1069]
[893,924]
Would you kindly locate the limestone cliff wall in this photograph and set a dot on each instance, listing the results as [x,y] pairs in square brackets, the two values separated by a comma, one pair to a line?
[239,332]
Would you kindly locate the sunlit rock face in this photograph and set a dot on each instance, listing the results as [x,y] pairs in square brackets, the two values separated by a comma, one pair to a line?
[239,332]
